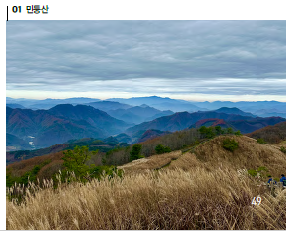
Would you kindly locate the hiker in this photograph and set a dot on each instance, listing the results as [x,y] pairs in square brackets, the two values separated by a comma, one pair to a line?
[269,180]
[283,179]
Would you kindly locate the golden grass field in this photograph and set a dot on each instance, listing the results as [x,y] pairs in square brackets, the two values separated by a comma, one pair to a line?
[208,188]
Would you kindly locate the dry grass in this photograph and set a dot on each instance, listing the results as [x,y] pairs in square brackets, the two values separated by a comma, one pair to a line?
[249,155]
[152,162]
[169,199]
[185,162]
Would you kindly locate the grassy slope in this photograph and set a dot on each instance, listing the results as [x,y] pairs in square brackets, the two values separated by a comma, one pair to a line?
[212,155]
[202,189]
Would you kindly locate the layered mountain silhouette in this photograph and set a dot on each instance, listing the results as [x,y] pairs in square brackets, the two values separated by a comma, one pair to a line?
[93,116]
[259,108]
[87,117]
[250,125]
[128,113]
[160,103]
[61,123]
[15,105]
[138,114]
[211,123]
[234,110]
[108,105]
[183,120]
[47,103]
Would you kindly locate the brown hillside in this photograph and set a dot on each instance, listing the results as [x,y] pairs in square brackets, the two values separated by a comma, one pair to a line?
[19,168]
[46,172]
[152,162]
[249,155]
[271,134]
[12,157]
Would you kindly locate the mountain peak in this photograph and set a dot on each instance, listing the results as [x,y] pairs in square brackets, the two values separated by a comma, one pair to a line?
[233,110]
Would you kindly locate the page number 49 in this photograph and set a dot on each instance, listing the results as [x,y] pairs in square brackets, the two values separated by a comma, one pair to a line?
[256,201]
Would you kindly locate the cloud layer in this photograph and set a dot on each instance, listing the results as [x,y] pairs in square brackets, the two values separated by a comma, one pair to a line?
[148,57]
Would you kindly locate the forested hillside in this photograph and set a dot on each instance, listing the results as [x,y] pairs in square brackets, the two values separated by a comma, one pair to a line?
[271,134]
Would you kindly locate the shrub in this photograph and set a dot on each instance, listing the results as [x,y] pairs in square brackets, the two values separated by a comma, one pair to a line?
[162,149]
[99,171]
[252,172]
[238,133]
[261,141]
[230,144]
[283,149]
[261,168]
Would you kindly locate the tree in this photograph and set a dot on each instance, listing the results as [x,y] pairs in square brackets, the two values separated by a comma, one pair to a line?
[238,133]
[135,152]
[207,132]
[229,130]
[162,149]
[218,130]
[75,160]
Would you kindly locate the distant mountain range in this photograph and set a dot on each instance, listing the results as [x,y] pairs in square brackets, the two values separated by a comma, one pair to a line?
[183,120]
[160,103]
[94,118]
[258,108]
[61,123]
[234,110]
[47,103]
[15,105]
[108,105]
[138,114]
[128,113]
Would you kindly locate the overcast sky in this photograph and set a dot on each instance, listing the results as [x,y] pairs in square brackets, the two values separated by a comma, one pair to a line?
[192,60]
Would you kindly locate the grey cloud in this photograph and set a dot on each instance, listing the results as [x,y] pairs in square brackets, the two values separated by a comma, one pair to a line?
[173,56]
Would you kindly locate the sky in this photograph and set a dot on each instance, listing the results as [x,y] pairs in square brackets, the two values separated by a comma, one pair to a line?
[190,60]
